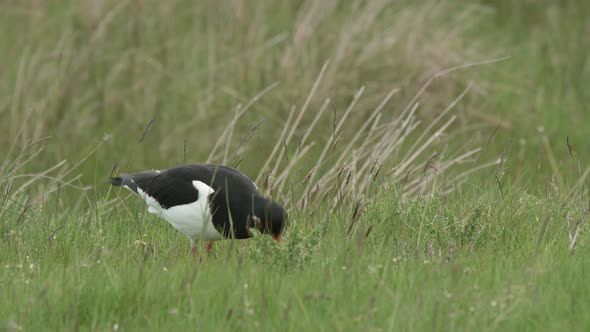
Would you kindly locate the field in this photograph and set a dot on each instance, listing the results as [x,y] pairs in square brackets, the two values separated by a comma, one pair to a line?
[433,157]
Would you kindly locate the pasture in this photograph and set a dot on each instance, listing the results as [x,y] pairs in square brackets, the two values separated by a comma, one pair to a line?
[433,157]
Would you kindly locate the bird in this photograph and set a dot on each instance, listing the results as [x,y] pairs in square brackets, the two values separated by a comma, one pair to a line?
[207,202]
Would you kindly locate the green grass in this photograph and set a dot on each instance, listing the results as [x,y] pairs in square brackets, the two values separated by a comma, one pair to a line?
[438,263]
[376,241]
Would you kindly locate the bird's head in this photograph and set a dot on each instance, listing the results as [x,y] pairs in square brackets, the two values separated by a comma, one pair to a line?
[273,217]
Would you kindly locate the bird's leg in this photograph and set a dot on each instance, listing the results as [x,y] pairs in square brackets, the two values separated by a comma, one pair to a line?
[195,253]
[208,247]
[196,256]
[277,238]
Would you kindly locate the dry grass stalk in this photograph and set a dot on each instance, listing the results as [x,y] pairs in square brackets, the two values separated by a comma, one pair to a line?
[346,170]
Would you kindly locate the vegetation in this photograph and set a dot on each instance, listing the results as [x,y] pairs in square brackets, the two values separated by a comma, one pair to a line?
[431,155]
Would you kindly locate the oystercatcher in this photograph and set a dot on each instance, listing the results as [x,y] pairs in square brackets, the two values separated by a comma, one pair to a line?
[206,202]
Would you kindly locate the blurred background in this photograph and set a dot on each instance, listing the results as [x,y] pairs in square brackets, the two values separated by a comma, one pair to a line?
[151,84]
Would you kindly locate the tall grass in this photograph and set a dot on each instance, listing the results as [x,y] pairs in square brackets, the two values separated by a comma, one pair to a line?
[86,70]
[96,74]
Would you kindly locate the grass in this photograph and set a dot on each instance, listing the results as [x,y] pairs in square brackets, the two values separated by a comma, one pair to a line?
[431,156]
[436,263]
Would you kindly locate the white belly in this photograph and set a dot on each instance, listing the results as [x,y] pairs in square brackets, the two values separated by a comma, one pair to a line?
[194,220]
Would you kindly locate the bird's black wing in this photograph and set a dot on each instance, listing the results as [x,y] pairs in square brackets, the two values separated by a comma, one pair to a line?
[167,188]
[232,201]
[231,204]
[235,177]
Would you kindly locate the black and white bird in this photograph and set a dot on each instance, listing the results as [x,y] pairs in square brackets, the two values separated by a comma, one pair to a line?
[206,202]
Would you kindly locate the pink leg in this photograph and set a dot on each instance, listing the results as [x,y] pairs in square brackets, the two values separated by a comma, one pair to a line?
[209,247]
[195,253]
[277,238]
